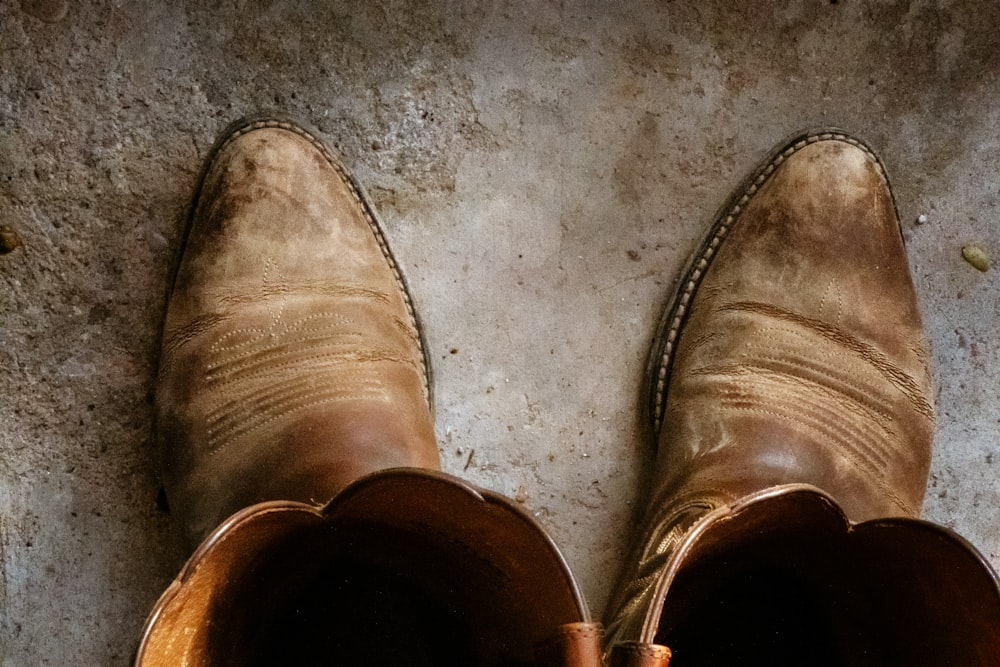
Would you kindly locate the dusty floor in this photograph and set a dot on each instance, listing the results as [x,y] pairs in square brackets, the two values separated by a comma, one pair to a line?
[543,170]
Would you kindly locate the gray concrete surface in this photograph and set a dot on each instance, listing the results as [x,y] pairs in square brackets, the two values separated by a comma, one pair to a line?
[543,170]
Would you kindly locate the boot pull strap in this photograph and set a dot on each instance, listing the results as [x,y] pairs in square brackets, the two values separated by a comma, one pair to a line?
[638,654]
[572,645]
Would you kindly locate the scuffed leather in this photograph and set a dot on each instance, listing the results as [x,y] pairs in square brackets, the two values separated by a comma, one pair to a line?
[291,360]
[801,358]
[793,354]
[638,654]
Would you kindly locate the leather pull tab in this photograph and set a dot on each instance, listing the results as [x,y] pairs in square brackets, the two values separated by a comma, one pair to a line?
[638,654]
[572,645]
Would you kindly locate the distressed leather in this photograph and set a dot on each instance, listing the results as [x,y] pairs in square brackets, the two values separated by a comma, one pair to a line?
[292,365]
[291,359]
[576,644]
[403,567]
[800,355]
[792,355]
[640,654]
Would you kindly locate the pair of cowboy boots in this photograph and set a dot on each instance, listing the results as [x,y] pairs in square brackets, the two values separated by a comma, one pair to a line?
[295,420]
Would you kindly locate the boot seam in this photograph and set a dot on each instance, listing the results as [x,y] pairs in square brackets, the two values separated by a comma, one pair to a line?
[271,121]
[672,321]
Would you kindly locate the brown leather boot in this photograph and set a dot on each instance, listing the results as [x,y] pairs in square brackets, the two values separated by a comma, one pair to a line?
[789,380]
[292,362]
[292,366]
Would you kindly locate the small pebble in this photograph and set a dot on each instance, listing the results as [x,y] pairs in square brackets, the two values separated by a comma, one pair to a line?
[921,219]
[9,241]
[976,256]
[521,495]
[50,11]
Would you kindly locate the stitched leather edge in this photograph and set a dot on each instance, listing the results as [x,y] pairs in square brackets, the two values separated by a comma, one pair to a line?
[660,361]
[270,120]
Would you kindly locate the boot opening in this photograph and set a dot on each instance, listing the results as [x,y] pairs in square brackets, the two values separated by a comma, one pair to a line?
[404,567]
[759,616]
[367,594]
[356,614]
[787,581]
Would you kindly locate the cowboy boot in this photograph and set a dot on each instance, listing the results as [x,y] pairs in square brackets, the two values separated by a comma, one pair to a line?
[292,367]
[291,362]
[406,566]
[789,396]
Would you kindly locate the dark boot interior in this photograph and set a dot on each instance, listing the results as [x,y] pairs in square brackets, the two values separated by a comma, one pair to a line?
[363,615]
[404,568]
[796,594]
[367,595]
[763,616]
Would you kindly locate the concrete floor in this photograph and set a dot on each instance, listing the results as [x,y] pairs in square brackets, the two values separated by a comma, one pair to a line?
[543,170]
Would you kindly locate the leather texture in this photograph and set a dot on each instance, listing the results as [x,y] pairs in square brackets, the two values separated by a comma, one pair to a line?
[268,586]
[291,360]
[798,354]
[572,645]
[639,654]
[791,356]
[292,365]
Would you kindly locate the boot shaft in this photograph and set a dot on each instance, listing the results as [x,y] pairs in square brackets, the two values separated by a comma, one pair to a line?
[403,567]
[783,577]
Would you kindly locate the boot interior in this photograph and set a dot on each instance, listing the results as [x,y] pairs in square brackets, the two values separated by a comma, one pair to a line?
[752,608]
[365,594]
[404,567]
[788,588]
[353,612]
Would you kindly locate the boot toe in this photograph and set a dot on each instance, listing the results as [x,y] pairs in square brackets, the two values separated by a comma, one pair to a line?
[289,336]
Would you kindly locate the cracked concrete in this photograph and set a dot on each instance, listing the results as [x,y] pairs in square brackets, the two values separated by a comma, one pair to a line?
[543,170]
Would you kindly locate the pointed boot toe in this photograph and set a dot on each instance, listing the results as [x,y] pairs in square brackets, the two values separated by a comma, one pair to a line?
[794,352]
[292,361]
[789,396]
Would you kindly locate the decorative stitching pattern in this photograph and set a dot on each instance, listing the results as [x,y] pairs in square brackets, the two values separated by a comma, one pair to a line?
[833,287]
[828,380]
[874,357]
[265,371]
[667,531]
[274,372]
[819,421]
[577,631]
[367,210]
[670,326]
[221,437]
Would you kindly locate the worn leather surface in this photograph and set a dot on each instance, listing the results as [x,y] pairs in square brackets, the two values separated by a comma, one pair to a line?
[575,644]
[792,355]
[801,357]
[504,587]
[639,654]
[292,365]
[291,360]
